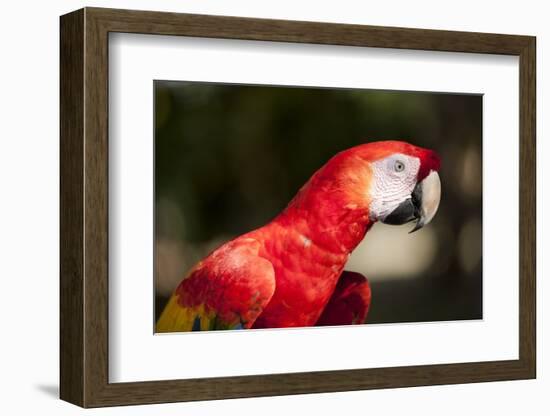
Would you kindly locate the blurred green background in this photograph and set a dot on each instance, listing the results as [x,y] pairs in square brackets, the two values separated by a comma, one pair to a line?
[228,158]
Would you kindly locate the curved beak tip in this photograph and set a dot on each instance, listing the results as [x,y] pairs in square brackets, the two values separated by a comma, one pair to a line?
[417,227]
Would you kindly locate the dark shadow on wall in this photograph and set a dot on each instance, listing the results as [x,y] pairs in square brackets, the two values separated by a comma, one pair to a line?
[51,390]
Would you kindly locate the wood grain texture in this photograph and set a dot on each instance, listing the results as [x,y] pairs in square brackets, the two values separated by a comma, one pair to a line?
[527,208]
[96,218]
[84,206]
[71,100]
[162,23]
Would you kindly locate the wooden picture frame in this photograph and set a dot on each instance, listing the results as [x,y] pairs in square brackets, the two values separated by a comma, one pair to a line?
[84,207]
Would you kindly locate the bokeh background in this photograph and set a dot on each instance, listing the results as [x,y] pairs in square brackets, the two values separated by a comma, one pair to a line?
[228,158]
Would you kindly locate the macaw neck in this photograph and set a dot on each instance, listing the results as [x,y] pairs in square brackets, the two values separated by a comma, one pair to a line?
[328,218]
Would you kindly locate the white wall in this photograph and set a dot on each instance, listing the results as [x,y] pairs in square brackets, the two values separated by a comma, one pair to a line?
[29,205]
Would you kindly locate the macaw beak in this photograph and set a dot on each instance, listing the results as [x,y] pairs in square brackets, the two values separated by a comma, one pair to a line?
[421,206]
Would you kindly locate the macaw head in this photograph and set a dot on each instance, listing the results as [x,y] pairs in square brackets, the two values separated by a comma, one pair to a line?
[404,183]
[394,181]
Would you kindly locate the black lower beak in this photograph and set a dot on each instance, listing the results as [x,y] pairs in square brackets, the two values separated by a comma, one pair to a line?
[421,205]
[404,213]
[408,210]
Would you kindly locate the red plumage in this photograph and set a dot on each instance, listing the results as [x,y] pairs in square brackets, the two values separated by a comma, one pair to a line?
[290,272]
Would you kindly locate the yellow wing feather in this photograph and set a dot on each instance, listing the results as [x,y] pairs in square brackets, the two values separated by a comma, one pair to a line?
[176,318]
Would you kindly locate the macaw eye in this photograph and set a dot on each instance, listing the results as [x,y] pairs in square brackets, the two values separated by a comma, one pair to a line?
[399,166]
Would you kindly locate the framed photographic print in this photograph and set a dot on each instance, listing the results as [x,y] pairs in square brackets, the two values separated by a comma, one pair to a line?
[255,207]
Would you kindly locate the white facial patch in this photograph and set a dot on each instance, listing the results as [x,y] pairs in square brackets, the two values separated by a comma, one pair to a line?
[393,180]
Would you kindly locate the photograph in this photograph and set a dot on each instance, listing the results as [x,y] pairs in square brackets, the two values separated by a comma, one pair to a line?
[336,206]
[283,206]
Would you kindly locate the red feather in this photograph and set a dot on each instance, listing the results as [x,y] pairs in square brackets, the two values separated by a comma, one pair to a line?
[287,273]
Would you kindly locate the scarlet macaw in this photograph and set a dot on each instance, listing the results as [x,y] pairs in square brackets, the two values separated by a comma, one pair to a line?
[290,272]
